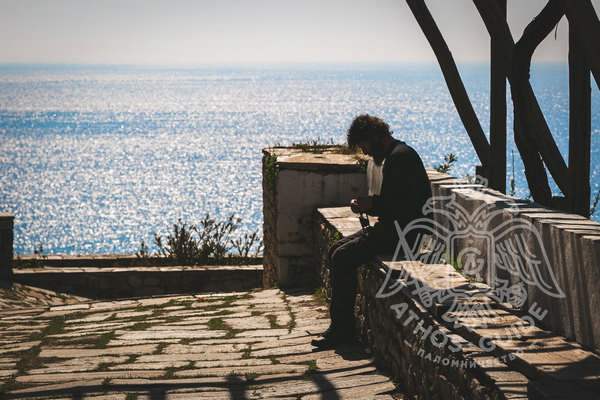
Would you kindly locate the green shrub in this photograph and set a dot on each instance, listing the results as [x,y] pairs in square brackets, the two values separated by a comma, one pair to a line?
[446,166]
[208,240]
[243,245]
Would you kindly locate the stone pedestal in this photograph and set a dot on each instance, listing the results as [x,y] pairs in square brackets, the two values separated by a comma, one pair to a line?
[6,248]
[295,183]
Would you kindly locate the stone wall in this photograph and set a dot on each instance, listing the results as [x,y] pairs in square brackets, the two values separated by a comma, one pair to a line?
[295,183]
[457,349]
[111,283]
[119,260]
[562,275]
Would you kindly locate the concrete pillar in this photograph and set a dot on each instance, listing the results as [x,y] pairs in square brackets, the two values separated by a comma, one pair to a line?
[6,248]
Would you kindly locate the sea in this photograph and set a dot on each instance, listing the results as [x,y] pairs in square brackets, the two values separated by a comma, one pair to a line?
[95,159]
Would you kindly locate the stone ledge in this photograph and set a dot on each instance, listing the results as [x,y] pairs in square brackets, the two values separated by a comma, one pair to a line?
[538,365]
[105,270]
[326,160]
[113,260]
[110,283]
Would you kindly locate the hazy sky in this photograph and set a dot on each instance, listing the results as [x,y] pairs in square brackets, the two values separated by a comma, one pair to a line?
[194,32]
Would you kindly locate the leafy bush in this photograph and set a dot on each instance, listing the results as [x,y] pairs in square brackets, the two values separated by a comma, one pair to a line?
[446,166]
[208,240]
[181,244]
[243,245]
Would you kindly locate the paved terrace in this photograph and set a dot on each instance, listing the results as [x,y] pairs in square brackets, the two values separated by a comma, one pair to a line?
[246,345]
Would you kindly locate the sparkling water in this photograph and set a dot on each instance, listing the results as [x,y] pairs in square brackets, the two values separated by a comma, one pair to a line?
[94,159]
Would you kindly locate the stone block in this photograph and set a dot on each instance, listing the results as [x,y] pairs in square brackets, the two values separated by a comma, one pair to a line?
[295,249]
[304,183]
[293,227]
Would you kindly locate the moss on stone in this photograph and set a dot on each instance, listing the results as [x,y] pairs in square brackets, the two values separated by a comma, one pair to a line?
[159,348]
[217,324]
[270,170]
[312,367]
[320,296]
[103,340]
[273,321]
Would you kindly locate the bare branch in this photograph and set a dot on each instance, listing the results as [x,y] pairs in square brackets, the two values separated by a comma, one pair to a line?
[453,80]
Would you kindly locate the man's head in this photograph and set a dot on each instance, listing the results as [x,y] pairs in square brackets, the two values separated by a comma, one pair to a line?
[371,134]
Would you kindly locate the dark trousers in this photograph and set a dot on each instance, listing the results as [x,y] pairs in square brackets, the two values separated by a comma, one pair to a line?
[345,256]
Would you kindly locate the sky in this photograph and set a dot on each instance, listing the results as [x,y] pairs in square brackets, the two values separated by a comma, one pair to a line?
[200,32]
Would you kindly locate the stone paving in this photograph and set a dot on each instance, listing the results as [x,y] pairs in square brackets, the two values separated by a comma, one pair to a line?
[245,345]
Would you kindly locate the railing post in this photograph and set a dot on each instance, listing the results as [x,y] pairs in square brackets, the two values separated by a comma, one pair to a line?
[580,125]
[6,248]
[498,66]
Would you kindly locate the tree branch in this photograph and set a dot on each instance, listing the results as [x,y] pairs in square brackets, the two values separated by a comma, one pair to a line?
[452,77]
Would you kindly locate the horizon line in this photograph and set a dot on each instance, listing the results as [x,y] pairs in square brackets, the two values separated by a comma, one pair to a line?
[259,64]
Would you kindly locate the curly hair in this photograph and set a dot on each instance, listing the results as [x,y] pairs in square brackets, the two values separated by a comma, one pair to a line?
[366,127]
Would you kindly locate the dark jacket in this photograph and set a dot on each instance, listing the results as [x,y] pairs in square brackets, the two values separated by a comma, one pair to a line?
[404,189]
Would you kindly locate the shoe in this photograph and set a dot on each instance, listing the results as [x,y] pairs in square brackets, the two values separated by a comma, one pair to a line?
[332,338]
[329,331]
[331,342]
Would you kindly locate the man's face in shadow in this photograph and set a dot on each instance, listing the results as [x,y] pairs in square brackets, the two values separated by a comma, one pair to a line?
[373,148]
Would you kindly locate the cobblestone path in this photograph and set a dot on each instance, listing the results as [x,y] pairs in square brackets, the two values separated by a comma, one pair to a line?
[246,345]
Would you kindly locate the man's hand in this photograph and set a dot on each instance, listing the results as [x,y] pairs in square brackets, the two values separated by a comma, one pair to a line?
[361,205]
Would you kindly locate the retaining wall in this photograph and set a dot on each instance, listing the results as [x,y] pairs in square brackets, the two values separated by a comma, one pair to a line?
[111,283]
[118,260]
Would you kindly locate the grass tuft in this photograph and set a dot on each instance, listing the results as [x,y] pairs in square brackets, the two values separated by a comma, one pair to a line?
[160,348]
[140,326]
[250,376]
[217,324]
[320,296]
[246,353]
[103,340]
[273,321]
[312,367]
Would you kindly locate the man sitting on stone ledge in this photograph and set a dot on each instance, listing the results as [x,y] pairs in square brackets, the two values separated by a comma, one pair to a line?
[398,189]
